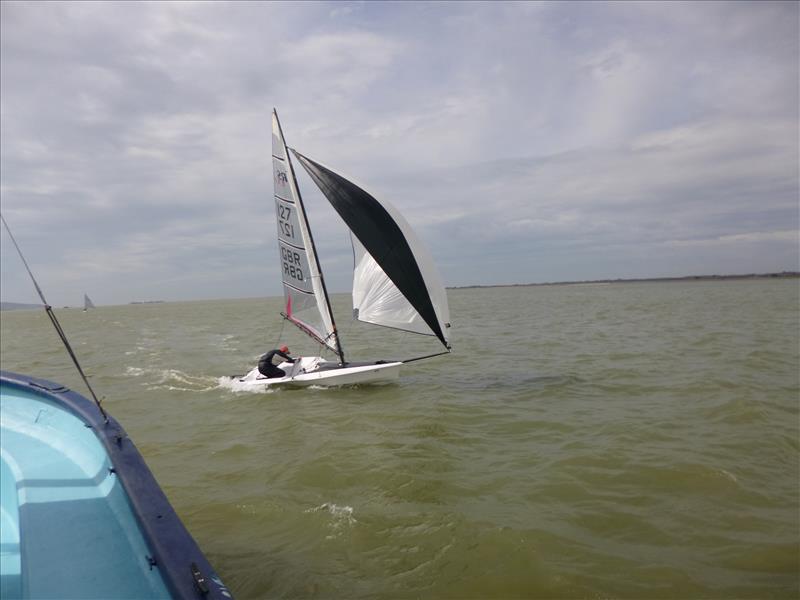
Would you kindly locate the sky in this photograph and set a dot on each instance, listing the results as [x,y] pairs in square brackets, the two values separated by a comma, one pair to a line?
[524,142]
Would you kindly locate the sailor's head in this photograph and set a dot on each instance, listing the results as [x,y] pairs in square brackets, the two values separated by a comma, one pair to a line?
[285,349]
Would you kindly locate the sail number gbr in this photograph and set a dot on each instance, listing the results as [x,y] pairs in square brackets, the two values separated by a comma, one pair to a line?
[292,265]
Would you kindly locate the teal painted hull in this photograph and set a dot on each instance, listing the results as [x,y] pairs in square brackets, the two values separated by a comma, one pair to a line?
[82,516]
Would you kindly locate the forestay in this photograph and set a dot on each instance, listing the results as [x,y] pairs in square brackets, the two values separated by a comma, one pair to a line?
[395,280]
[306,302]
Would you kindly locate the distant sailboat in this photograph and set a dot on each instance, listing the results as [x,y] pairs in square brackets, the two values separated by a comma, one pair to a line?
[395,282]
[87,303]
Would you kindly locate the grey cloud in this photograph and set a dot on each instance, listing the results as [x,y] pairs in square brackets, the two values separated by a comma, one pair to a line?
[537,141]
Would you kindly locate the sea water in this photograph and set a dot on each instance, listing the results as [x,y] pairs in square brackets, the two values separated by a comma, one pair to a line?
[632,440]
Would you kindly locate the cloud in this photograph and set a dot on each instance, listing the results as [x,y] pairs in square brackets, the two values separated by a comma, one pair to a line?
[525,141]
[790,236]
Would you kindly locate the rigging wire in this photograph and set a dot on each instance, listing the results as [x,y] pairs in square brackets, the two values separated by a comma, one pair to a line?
[280,334]
[49,310]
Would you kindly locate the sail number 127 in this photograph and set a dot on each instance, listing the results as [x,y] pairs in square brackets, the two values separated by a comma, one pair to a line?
[285,227]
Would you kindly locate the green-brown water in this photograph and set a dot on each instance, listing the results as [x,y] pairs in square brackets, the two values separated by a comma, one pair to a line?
[614,441]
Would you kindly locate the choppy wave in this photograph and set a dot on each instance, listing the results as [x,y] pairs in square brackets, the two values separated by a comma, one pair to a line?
[234,384]
[172,379]
[340,517]
[619,441]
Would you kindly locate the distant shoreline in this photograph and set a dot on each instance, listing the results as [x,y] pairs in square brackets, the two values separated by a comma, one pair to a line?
[18,306]
[781,275]
[8,306]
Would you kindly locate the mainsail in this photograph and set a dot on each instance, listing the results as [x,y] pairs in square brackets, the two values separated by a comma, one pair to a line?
[306,299]
[87,303]
[395,281]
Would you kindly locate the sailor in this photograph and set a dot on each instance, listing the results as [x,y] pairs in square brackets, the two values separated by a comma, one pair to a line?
[267,368]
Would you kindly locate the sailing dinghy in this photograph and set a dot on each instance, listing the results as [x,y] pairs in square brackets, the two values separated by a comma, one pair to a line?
[87,303]
[395,281]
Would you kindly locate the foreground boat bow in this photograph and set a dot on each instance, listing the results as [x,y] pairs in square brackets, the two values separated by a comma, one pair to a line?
[82,515]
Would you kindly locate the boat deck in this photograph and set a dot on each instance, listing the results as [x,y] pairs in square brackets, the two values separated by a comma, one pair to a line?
[81,515]
[63,511]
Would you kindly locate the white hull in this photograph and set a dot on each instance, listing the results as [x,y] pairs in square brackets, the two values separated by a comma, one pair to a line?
[314,370]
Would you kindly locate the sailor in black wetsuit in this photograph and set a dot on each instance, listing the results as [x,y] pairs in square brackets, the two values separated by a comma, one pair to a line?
[265,366]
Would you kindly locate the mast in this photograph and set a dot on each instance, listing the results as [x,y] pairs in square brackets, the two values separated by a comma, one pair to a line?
[296,190]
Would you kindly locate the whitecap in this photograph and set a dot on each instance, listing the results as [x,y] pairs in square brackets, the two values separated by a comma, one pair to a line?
[167,378]
[342,515]
[235,385]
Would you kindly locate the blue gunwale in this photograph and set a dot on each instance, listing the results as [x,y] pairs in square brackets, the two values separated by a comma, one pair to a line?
[172,546]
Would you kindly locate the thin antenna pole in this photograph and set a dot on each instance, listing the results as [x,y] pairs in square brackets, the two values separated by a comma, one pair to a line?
[49,310]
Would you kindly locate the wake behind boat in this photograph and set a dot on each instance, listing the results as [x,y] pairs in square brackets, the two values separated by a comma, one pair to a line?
[395,281]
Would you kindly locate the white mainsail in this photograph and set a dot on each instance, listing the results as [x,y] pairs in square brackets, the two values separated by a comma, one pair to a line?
[306,301]
[87,303]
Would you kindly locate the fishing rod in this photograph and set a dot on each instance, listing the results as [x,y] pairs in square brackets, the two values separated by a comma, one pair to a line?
[49,310]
